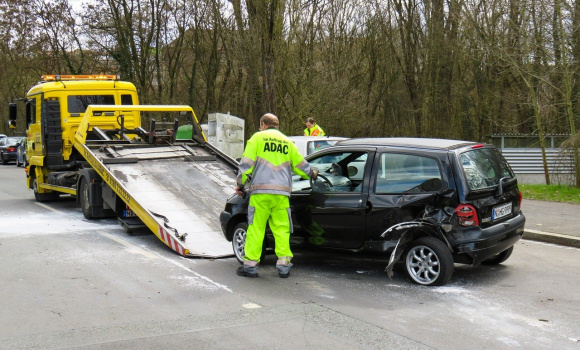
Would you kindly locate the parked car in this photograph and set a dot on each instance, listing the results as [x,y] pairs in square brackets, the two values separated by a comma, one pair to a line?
[8,148]
[310,144]
[21,153]
[429,203]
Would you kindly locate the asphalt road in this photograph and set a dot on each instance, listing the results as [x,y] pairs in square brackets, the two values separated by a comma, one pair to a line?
[69,283]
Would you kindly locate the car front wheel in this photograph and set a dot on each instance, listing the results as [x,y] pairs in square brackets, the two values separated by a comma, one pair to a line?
[429,262]
[239,240]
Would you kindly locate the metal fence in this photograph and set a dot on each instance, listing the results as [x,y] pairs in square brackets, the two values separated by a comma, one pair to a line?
[529,160]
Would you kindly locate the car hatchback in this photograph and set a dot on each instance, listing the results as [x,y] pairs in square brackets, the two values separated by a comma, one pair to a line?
[429,203]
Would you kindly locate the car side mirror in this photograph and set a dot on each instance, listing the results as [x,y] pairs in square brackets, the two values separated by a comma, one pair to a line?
[12,115]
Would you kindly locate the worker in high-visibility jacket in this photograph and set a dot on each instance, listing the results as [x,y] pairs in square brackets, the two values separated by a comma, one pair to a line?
[268,162]
[313,129]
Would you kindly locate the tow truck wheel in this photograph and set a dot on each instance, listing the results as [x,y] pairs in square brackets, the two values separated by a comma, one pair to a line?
[239,242]
[43,197]
[85,200]
[429,262]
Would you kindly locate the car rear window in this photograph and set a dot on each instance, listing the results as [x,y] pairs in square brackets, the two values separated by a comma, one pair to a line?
[484,167]
[13,141]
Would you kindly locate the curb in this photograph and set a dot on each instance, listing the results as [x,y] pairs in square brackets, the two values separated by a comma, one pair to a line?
[555,238]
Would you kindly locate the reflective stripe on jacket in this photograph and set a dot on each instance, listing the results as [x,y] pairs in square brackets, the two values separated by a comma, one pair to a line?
[314,131]
[271,158]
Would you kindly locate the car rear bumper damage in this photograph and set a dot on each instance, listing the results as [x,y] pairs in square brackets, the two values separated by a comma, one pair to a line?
[493,240]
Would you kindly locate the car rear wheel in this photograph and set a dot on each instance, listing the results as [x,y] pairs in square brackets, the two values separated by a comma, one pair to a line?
[498,259]
[429,262]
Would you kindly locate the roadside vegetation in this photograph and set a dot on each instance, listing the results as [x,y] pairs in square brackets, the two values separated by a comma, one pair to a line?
[553,193]
[361,68]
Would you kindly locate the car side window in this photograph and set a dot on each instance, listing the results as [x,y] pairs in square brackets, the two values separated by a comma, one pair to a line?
[407,173]
[339,172]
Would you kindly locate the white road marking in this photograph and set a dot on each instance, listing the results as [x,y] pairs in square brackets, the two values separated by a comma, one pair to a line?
[251,306]
[207,279]
[135,249]
[49,208]
[132,248]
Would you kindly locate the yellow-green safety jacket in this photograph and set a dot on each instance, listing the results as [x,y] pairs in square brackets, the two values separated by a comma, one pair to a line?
[316,130]
[271,158]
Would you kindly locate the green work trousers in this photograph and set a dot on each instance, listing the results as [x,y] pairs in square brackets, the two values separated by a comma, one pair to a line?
[273,209]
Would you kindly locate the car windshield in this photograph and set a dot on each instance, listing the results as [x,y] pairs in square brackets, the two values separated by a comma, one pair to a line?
[484,167]
[13,141]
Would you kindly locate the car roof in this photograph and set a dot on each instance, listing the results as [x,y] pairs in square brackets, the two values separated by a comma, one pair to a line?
[410,142]
[321,138]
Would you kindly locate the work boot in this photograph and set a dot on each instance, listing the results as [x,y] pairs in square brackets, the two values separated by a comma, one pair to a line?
[247,270]
[283,265]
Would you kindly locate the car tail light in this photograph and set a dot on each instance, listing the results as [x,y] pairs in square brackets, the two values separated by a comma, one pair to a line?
[467,215]
[11,149]
[521,199]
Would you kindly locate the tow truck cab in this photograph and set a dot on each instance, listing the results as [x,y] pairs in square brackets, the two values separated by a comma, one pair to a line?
[54,108]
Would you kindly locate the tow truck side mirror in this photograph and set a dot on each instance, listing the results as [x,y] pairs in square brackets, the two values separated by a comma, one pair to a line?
[12,115]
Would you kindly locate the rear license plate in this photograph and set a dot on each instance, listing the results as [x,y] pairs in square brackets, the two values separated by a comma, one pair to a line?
[501,211]
[128,213]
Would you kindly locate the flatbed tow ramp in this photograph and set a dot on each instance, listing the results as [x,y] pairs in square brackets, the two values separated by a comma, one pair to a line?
[177,190]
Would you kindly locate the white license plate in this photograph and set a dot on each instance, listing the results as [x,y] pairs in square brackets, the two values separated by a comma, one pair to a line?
[501,211]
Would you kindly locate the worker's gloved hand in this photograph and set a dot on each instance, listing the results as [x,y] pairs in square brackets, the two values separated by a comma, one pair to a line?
[240,191]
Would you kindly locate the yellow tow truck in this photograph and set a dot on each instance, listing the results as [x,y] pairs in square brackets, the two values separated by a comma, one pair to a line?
[85,138]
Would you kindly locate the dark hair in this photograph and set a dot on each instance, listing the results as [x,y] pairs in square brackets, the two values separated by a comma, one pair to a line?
[310,120]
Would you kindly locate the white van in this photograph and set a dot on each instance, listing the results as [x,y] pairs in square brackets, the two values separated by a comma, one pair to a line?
[310,144]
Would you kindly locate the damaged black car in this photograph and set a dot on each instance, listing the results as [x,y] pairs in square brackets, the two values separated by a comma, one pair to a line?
[428,203]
